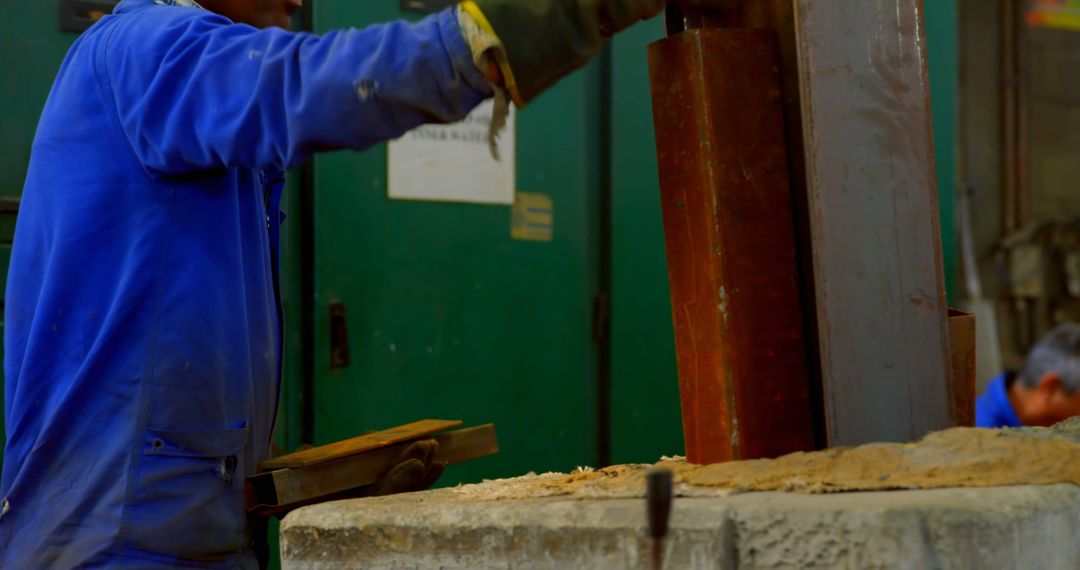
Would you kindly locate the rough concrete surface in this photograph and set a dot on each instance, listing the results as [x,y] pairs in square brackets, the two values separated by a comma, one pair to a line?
[1034,527]
[954,458]
[963,498]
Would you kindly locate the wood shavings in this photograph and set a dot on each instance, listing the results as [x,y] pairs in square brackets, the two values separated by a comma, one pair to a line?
[961,457]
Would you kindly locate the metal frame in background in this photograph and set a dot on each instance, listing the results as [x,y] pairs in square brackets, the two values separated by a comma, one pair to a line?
[858,117]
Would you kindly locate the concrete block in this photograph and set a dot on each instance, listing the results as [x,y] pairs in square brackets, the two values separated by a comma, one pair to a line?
[986,528]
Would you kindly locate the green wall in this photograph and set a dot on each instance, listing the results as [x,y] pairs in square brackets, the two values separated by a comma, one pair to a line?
[33,48]
[645,413]
[942,28]
[447,315]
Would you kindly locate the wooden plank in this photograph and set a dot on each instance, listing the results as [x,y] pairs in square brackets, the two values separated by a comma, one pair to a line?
[284,489]
[360,444]
[873,211]
[730,237]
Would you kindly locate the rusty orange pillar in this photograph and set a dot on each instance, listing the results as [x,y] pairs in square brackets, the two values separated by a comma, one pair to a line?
[730,238]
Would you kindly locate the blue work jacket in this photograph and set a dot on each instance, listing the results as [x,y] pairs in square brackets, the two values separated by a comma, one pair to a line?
[993,408]
[143,322]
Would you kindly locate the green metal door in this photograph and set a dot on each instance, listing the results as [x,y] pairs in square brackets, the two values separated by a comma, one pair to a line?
[449,317]
[645,413]
[942,29]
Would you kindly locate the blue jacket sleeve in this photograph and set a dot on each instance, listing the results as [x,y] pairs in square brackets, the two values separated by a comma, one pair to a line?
[193,91]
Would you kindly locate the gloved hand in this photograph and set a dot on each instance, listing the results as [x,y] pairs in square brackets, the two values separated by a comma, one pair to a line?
[416,470]
[544,40]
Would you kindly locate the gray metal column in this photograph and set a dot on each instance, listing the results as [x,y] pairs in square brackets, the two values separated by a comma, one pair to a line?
[873,212]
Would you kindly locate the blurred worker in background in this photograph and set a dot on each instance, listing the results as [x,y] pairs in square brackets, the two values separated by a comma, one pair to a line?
[1045,392]
[143,322]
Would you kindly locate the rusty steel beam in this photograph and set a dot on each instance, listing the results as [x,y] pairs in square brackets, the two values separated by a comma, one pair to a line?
[873,213]
[729,229]
[962,362]
[778,16]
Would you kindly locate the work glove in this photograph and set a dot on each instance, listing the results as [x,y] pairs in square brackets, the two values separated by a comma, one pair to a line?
[416,470]
[541,41]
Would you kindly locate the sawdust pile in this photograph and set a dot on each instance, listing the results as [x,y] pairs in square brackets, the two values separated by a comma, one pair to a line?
[962,457]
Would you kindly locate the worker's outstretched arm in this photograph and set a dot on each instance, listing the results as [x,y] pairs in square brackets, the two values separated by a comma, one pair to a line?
[194,91]
[541,41]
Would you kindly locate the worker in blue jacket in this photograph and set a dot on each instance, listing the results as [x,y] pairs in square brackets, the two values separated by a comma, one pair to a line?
[143,333]
[1045,392]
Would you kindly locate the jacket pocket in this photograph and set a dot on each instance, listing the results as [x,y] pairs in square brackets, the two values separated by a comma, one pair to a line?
[189,501]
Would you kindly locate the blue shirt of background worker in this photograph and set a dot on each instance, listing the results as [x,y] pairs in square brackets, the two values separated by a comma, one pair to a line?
[1046,391]
[993,408]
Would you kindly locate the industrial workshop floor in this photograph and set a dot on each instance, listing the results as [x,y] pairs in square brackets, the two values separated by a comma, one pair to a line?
[961,498]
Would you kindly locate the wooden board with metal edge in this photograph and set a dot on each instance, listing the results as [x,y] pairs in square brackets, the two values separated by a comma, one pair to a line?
[284,489]
[360,444]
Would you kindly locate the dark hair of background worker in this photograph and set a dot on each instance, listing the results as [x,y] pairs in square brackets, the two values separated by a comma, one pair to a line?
[143,333]
[1045,392]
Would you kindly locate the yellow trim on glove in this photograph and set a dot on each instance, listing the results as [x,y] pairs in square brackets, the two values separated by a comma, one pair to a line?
[473,10]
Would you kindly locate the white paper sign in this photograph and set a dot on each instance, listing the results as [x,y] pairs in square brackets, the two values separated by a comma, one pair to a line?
[453,163]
